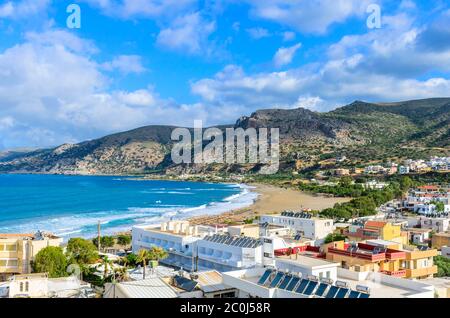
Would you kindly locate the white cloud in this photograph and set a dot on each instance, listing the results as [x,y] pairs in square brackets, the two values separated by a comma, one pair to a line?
[126,64]
[309,16]
[390,64]
[128,9]
[258,33]
[23,8]
[285,55]
[288,36]
[188,33]
[52,94]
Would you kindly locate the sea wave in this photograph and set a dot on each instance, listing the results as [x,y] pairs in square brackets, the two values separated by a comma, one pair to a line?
[84,224]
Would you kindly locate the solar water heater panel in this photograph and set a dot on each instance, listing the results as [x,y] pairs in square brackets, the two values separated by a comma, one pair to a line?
[332,292]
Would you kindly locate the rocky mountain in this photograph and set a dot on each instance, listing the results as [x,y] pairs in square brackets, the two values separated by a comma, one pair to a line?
[364,132]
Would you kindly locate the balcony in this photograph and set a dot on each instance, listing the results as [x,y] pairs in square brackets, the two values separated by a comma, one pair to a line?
[366,256]
[421,272]
[421,254]
[399,273]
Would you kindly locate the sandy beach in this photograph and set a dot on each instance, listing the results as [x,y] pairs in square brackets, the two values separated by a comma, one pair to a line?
[272,200]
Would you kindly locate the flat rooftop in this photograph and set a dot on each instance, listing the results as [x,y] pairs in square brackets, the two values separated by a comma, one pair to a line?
[378,290]
[306,261]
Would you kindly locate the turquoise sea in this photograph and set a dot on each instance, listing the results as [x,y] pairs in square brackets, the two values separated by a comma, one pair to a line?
[71,206]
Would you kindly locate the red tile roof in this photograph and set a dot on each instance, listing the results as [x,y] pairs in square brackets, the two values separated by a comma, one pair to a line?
[376,224]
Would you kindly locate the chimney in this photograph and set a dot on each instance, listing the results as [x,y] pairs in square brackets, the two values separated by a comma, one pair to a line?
[177,227]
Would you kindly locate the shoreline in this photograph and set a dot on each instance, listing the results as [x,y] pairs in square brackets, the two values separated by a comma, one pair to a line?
[270,200]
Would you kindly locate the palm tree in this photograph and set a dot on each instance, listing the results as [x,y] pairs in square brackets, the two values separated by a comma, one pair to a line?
[121,274]
[157,254]
[142,257]
[107,263]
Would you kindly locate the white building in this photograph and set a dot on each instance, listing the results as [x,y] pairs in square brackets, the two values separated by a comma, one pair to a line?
[40,286]
[224,252]
[277,283]
[176,237]
[435,224]
[403,169]
[374,185]
[302,224]
[199,248]
[445,251]
[307,266]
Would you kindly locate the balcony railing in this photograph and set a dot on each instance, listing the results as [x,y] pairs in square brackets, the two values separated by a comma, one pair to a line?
[370,257]
[399,273]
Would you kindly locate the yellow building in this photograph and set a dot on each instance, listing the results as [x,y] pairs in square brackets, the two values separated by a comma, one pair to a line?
[377,230]
[389,258]
[440,239]
[17,251]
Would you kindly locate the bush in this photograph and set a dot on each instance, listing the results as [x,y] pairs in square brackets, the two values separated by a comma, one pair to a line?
[443,265]
[82,251]
[51,260]
[124,240]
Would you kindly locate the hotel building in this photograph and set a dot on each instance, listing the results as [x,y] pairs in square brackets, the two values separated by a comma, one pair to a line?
[17,251]
[303,224]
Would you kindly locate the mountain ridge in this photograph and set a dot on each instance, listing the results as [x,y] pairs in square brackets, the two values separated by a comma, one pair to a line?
[360,130]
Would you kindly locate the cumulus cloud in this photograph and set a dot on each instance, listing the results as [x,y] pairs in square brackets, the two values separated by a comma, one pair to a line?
[23,8]
[309,16]
[187,33]
[125,64]
[52,95]
[285,55]
[258,33]
[391,64]
[288,36]
[128,9]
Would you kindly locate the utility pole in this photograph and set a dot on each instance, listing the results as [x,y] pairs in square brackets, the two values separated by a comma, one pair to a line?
[98,237]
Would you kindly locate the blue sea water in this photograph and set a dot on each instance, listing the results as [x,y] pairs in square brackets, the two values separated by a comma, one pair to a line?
[71,206]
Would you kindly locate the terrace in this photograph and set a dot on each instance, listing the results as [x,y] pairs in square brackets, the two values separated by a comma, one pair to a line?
[368,252]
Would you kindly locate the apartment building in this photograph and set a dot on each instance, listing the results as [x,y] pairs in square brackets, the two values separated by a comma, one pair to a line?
[17,251]
[303,224]
[376,230]
[385,257]
[438,240]
[281,283]
[437,224]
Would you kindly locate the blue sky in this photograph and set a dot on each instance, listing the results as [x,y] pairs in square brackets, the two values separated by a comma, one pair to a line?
[139,62]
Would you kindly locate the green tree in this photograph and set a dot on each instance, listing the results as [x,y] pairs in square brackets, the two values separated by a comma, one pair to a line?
[334,237]
[443,265]
[124,240]
[142,257]
[157,254]
[82,251]
[51,260]
[105,241]
[406,183]
[131,259]
[440,207]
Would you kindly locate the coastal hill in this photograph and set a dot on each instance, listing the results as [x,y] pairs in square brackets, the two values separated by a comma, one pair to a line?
[362,132]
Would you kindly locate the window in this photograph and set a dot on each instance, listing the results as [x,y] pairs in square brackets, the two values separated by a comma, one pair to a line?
[328,274]
[21,287]
[267,255]
[27,285]
[268,241]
